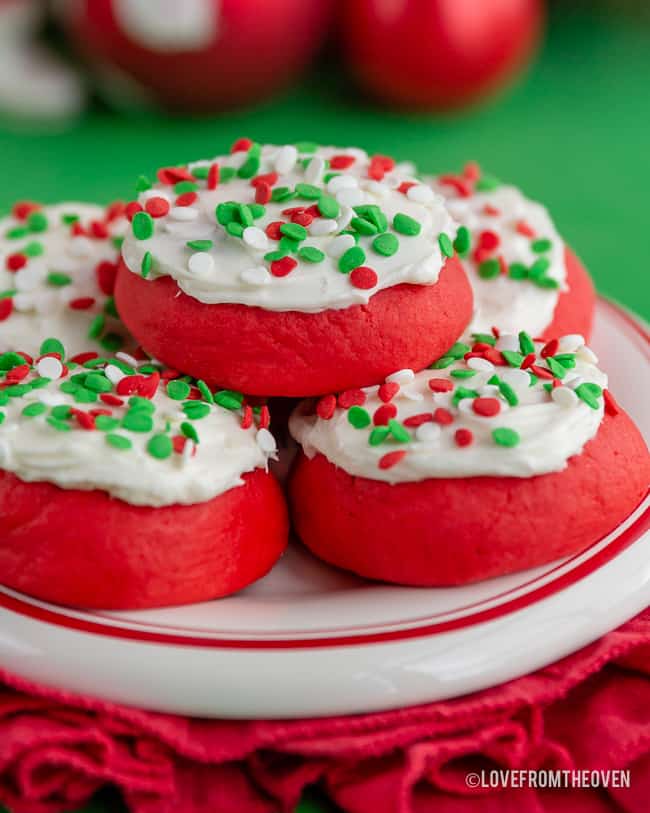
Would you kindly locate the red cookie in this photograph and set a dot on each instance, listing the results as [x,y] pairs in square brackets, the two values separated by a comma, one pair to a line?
[446,531]
[292,353]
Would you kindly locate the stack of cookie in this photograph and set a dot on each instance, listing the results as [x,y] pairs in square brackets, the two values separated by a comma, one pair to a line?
[453,425]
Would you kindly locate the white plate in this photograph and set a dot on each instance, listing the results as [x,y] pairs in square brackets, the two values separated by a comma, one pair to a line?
[309,640]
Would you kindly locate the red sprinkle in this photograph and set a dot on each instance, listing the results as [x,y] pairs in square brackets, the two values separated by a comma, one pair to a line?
[6,308]
[341,161]
[82,303]
[280,268]
[293,210]
[491,211]
[503,265]
[541,372]
[77,230]
[213,177]
[149,385]
[273,230]
[24,208]
[15,262]
[523,228]
[495,356]
[550,348]
[97,412]
[383,414]
[186,199]
[351,398]
[440,385]
[461,185]
[270,179]
[247,417]
[114,211]
[84,419]
[17,374]
[99,230]
[391,459]
[463,437]
[611,407]
[82,358]
[302,219]
[388,391]
[262,193]
[173,175]
[325,407]
[265,417]
[110,399]
[495,331]
[480,254]
[106,273]
[178,442]
[363,278]
[129,385]
[472,171]
[241,145]
[443,416]
[169,374]
[131,210]
[405,186]
[486,407]
[379,166]
[528,361]
[418,420]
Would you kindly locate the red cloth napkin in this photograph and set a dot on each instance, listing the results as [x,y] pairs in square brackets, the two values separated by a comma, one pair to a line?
[590,710]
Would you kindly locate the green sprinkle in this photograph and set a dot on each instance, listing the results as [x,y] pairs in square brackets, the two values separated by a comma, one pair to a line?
[147,263]
[463,241]
[257,210]
[10,360]
[160,446]
[195,410]
[200,245]
[514,359]
[189,431]
[386,244]
[589,393]
[484,338]
[555,367]
[294,231]
[33,250]
[39,383]
[85,396]
[96,327]
[52,346]
[97,382]
[17,390]
[16,233]
[567,360]
[69,219]
[226,174]
[234,229]
[60,426]
[398,431]
[245,215]
[328,207]
[58,279]
[112,342]
[461,393]
[142,184]
[351,259]
[310,254]
[185,186]
[37,222]
[489,269]
[201,173]
[69,387]
[137,420]
[272,256]
[539,268]
[117,242]
[547,282]
[2,417]
[205,391]
[363,226]
[105,423]
[441,363]
[308,192]
[526,343]
[378,435]
[281,193]
[8,293]
[508,393]
[463,373]
[374,214]
[118,441]
[533,379]
[487,183]
[142,226]
[225,213]
[306,146]
[33,410]
[517,271]
[541,245]
[505,437]
[178,390]
[446,246]
[228,399]
[288,245]
[458,350]
[403,224]
[359,417]
[251,165]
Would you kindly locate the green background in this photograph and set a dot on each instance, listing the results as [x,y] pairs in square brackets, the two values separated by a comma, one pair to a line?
[574,134]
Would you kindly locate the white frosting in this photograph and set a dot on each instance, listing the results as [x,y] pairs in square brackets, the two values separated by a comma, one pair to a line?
[508,303]
[238,271]
[35,451]
[40,308]
[551,427]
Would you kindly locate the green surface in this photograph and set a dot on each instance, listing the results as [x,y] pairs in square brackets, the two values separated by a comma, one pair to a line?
[573,134]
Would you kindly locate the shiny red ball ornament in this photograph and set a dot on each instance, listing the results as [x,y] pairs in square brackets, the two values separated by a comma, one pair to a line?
[438,54]
[196,55]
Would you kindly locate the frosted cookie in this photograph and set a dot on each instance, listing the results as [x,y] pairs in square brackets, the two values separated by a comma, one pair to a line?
[521,271]
[300,259]
[57,274]
[126,485]
[507,454]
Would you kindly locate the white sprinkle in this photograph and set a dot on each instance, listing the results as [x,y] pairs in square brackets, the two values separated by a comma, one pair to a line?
[155,193]
[571,342]
[410,393]
[487,390]
[322,226]
[48,398]
[564,396]
[340,245]
[255,238]
[188,450]
[266,441]
[480,364]
[256,276]
[340,182]
[574,381]
[427,432]
[286,159]
[183,213]
[127,358]
[114,374]
[345,217]
[80,246]
[23,302]
[508,341]
[201,263]
[351,197]
[49,367]
[420,194]
[587,355]
[519,380]
[314,171]
[378,189]
[401,377]
[26,279]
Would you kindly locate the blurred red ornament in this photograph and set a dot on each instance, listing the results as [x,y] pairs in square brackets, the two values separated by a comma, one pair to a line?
[439,54]
[197,54]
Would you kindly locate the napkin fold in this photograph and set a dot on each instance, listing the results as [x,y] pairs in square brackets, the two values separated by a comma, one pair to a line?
[590,710]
